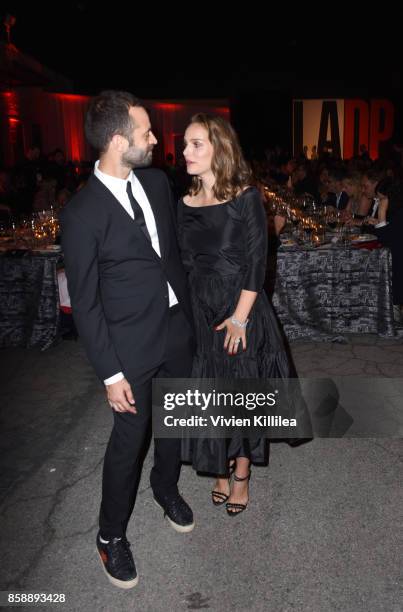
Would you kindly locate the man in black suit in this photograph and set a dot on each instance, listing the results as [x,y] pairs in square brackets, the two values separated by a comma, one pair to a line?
[337,196]
[129,299]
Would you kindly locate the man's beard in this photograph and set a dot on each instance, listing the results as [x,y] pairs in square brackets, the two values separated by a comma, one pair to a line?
[137,158]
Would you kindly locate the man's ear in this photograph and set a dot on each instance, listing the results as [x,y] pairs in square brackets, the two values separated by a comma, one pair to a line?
[119,143]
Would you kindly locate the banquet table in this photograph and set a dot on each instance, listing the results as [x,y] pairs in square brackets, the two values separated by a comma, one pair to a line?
[318,294]
[325,293]
[29,299]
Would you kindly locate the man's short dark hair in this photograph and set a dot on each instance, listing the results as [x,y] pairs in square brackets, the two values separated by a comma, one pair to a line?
[107,115]
[337,173]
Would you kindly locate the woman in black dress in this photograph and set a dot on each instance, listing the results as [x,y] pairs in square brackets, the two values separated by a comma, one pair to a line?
[389,229]
[223,238]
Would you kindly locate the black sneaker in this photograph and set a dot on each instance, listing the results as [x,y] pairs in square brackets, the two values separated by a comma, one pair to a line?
[177,511]
[117,561]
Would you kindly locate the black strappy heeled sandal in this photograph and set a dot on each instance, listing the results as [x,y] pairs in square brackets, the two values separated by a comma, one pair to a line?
[222,497]
[238,507]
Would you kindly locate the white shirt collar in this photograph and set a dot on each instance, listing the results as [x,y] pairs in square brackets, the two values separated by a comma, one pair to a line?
[114,184]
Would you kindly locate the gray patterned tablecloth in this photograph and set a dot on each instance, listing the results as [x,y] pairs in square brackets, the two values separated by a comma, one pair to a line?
[318,294]
[29,300]
[326,293]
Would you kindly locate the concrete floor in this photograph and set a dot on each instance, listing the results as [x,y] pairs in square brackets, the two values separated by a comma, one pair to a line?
[321,532]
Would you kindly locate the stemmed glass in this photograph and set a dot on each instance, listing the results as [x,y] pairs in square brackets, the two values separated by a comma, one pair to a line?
[295,220]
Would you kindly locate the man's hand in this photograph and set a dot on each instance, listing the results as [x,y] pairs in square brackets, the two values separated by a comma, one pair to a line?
[120,397]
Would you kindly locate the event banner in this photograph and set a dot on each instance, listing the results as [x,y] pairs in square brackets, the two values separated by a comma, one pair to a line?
[341,127]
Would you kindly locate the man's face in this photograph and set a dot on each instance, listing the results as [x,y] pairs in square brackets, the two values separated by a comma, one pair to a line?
[333,185]
[142,141]
[290,166]
[300,173]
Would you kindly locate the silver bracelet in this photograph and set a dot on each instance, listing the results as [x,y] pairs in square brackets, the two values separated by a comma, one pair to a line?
[239,323]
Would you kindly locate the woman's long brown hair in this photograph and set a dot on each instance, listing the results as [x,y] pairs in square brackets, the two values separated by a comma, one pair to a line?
[231,171]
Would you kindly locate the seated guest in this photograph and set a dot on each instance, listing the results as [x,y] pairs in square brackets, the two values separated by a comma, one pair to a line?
[57,168]
[303,182]
[323,184]
[27,176]
[352,187]
[389,230]
[62,197]
[337,197]
[282,173]
[45,195]
[369,181]
[369,202]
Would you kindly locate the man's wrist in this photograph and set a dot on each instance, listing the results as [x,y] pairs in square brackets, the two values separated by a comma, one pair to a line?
[114,379]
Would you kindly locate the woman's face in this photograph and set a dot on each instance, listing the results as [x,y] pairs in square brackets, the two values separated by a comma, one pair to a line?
[368,187]
[349,188]
[198,152]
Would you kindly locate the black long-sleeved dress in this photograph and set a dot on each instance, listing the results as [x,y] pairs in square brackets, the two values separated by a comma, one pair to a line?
[224,250]
[391,236]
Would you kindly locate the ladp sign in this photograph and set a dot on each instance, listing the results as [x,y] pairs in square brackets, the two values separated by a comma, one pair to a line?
[342,126]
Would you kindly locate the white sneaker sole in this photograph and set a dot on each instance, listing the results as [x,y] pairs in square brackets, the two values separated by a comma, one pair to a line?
[179,528]
[122,584]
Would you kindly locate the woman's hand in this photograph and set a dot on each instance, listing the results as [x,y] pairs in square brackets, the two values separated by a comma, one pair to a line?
[356,222]
[234,337]
[371,221]
[345,216]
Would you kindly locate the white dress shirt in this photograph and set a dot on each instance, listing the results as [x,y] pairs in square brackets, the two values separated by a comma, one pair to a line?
[117,187]
[338,198]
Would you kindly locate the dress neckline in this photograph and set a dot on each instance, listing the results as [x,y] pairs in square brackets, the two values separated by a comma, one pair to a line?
[220,203]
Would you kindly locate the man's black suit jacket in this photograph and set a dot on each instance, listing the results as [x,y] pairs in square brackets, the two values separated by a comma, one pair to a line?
[117,282]
[331,200]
